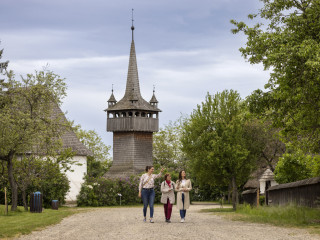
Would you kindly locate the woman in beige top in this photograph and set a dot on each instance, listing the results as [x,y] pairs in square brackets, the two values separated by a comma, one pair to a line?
[167,197]
[183,187]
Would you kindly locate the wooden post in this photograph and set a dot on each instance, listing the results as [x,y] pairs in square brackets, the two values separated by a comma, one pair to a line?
[5,202]
[258,197]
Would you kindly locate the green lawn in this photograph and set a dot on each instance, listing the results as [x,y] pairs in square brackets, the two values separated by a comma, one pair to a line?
[22,222]
[287,216]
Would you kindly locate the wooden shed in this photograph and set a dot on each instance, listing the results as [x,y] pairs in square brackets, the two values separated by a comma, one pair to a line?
[250,196]
[303,193]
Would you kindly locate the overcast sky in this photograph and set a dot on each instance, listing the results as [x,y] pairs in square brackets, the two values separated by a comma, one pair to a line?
[184,47]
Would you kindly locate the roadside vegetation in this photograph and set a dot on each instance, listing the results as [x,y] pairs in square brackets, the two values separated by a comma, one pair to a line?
[24,222]
[285,216]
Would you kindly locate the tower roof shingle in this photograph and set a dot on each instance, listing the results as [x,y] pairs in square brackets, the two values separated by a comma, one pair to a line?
[132,99]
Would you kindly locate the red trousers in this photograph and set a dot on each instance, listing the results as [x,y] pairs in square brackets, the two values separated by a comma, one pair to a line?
[167,209]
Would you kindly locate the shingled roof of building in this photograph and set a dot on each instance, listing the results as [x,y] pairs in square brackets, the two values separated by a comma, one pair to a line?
[70,139]
[253,182]
[304,182]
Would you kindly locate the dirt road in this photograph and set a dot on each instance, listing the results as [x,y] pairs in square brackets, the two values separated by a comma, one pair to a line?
[126,223]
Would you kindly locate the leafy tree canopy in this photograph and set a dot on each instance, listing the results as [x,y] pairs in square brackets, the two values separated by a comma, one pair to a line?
[213,139]
[295,165]
[100,161]
[289,45]
[28,121]
[167,147]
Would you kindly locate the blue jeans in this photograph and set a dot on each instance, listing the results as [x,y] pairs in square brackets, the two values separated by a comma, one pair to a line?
[147,195]
[184,211]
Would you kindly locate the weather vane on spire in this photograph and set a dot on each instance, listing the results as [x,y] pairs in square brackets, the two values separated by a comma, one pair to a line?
[132,27]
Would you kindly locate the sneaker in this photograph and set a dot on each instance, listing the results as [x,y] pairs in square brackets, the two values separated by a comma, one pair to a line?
[151,220]
[182,220]
[144,220]
[168,221]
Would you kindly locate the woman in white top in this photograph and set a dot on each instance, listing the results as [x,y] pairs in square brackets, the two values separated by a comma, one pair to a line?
[146,190]
[183,187]
[167,197]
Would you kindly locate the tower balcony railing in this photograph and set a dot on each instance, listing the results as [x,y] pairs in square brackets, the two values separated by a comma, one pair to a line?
[141,124]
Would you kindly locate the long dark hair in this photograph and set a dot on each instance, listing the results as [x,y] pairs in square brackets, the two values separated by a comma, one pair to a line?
[180,176]
[148,167]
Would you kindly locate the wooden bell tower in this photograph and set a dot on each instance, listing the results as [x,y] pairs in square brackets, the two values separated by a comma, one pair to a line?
[132,121]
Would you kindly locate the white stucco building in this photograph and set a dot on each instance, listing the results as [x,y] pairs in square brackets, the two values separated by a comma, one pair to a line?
[75,177]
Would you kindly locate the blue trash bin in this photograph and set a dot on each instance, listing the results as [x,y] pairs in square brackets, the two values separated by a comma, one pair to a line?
[55,204]
[36,202]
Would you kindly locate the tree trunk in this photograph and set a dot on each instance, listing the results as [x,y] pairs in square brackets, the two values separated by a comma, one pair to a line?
[237,197]
[229,191]
[234,193]
[24,199]
[13,185]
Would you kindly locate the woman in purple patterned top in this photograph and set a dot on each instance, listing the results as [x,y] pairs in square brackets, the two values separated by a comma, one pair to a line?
[146,190]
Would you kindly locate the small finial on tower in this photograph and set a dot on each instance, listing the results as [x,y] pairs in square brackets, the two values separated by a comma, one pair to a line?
[112,88]
[132,27]
[154,88]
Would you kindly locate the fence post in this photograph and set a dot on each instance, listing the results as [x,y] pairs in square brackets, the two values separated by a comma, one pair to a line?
[258,197]
[5,202]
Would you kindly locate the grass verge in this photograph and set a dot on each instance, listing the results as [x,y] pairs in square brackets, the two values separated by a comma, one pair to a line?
[23,222]
[286,216]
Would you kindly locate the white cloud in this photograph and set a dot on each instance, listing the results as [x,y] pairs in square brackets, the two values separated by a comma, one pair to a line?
[182,80]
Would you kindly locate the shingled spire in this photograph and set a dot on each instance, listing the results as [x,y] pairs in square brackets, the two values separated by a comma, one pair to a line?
[132,98]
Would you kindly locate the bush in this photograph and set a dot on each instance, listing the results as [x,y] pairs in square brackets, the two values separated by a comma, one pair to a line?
[54,187]
[104,191]
[53,184]
[262,200]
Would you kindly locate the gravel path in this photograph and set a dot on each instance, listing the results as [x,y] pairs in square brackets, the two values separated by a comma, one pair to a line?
[126,223]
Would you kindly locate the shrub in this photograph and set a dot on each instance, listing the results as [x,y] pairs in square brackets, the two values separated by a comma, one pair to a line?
[262,200]
[104,191]
[47,178]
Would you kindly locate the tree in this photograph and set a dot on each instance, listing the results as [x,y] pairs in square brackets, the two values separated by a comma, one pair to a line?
[167,150]
[263,141]
[295,165]
[289,47]
[27,122]
[213,139]
[3,65]
[100,161]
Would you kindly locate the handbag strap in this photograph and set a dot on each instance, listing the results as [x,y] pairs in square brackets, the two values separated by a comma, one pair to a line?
[147,180]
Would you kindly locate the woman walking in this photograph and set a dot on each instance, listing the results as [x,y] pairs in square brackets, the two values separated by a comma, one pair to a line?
[183,187]
[167,197]
[146,190]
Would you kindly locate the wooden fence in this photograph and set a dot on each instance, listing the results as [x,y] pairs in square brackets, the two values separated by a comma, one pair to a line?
[303,193]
